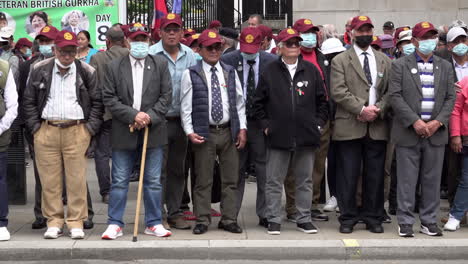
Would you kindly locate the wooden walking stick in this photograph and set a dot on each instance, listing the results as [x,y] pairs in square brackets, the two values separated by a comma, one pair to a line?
[140,183]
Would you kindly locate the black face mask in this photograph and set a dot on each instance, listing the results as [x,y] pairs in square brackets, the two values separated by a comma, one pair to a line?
[363,41]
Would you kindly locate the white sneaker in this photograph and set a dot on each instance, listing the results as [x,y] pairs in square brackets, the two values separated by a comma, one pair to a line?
[452,224]
[158,230]
[112,232]
[53,233]
[331,205]
[76,233]
[4,234]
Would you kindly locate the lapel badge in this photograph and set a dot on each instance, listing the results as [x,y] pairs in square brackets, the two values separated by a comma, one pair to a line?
[326,63]
[414,71]
[306,83]
[380,74]
[41,86]
[239,68]
[149,68]
[300,84]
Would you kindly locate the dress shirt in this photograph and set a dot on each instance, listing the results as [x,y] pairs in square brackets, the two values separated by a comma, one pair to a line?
[186,98]
[185,59]
[460,70]
[10,95]
[137,77]
[245,72]
[62,103]
[291,68]
[373,70]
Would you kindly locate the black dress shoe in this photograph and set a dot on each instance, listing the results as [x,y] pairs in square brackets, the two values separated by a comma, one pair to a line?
[88,224]
[39,223]
[391,211]
[200,229]
[375,228]
[232,227]
[263,222]
[346,229]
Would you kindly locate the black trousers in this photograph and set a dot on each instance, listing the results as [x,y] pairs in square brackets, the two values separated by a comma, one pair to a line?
[102,155]
[332,167]
[354,157]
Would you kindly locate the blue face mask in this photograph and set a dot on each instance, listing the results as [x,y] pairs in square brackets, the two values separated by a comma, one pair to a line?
[28,53]
[198,57]
[46,50]
[248,57]
[408,49]
[309,40]
[139,50]
[427,46]
[460,49]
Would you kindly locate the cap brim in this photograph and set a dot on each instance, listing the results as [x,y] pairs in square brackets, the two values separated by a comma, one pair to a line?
[309,27]
[358,26]
[210,42]
[249,48]
[290,37]
[334,50]
[133,35]
[424,31]
[171,22]
[66,43]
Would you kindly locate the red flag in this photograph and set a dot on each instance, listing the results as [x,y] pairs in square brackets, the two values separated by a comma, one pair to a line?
[160,10]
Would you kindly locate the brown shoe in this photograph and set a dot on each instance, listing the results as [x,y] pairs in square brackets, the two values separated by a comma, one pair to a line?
[165,224]
[178,222]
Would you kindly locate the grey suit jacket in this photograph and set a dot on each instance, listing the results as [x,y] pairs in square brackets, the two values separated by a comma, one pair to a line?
[99,61]
[406,94]
[156,99]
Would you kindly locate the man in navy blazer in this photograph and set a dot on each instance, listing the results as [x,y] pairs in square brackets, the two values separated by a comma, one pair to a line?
[249,62]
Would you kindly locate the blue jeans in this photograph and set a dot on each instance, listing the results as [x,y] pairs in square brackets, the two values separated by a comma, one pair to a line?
[460,203]
[3,190]
[122,166]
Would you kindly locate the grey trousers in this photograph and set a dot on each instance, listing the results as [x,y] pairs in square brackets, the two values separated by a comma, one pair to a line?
[172,174]
[278,163]
[423,161]
[257,148]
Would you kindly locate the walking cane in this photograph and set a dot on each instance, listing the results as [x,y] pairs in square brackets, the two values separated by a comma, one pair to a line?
[140,183]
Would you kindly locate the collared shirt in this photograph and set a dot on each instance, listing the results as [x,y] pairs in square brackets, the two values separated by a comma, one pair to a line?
[291,68]
[185,59]
[10,95]
[373,70]
[460,70]
[256,68]
[187,93]
[62,103]
[137,77]
[426,74]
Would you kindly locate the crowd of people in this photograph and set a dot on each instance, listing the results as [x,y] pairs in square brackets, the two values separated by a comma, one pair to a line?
[382,118]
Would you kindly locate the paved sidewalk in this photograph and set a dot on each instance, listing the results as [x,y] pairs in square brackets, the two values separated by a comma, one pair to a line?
[253,243]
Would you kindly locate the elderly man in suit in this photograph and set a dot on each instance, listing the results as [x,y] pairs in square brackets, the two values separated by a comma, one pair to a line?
[359,82]
[115,42]
[138,92]
[422,94]
[250,62]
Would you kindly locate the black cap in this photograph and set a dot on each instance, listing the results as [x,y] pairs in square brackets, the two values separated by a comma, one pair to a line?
[228,33]
[389,24]
[2,16]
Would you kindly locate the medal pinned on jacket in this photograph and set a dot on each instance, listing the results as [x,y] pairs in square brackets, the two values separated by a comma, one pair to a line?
[299,86]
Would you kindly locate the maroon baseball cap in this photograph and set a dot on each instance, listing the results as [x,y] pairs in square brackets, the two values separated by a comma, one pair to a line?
[136,29]
[359,21]
[304,25]
[376,41]
[287,34]
[23,42]
[171,18]
[189,32]
[250,40]
[49,32]
[266,31]
[215,24]
[208,37]
[66,38]
[422,28]
[190,40]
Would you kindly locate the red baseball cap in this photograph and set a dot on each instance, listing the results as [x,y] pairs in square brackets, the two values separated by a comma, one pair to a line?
[287,34]
[304,25]
[66,38]
[208,37]
[49,32]
[137,29]
[171,18]
[360,21]
[422,28]
[23,42]
[250,40]
[190,32]
[376,41]
[266,31]
[191,40]
[215,24]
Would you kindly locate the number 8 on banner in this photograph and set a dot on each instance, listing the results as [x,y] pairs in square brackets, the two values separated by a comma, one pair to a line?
[101,29]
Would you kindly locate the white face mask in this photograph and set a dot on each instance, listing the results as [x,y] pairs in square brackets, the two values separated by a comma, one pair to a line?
[61,65]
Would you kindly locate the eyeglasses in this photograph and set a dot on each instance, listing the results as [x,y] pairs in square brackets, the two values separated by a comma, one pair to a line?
[215,47]
[175,30]
[140,28]
[292,44]
[71,53]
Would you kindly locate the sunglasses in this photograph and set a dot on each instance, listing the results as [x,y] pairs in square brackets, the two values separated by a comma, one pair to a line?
[215,47]
[175,30]
[292,44]
[135,29]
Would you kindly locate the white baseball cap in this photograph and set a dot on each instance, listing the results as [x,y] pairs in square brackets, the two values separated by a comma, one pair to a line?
[6,33]
[332,45]
[405,35]
[454,33]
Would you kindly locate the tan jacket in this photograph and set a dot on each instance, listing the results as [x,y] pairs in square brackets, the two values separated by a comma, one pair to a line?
[350,91]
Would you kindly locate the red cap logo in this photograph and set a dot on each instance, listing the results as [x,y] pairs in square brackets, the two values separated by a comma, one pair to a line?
[171,16]
[425,25]
[212,34]
[363,18]
[68,36]
[308,22]
[291,31]
[46,29]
